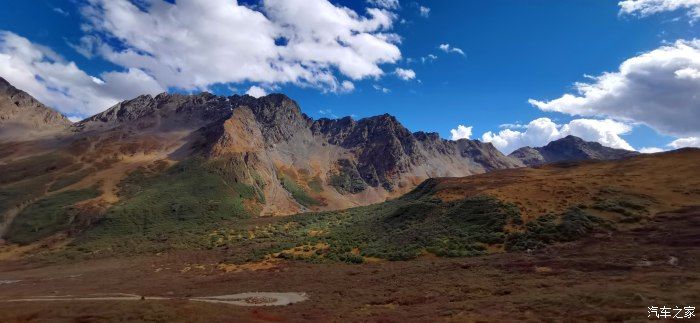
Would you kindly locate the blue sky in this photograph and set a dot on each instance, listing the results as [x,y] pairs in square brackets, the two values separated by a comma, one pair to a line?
[513,51]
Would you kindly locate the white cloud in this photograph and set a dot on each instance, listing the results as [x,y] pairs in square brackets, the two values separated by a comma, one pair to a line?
[607,132]
[645,8]
[685,142]
[60,11]
[461,132]
[538,133]
[256,91]
[347,86]
[658,88]
[447,48]
[650,150]
[74,119]
[516,125]
[424,11]
[327,112]
[405,74]
[381,88]
[386,4]
[429,58]
[541,131]
[61,84]
[193,44]
[688,73]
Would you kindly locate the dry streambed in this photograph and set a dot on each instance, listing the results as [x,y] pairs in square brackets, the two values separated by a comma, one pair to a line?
[242,299]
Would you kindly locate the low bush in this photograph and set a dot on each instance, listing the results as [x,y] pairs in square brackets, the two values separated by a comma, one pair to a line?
[46,216]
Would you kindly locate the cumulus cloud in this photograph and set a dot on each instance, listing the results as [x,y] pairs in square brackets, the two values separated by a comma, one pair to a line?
[462,132]
[650,150]
[447,48]
[193,44]
[658,88]
[61,84]
[645,8]
[685,142]
[405,74]
[386,4]
[541,131]
[347,86]
[256,91]
[424,11]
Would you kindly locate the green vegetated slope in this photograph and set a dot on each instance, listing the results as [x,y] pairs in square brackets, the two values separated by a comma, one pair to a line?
[172,208]
[298,192]
[47,216]
[407,227]
[25,180]
[199,203]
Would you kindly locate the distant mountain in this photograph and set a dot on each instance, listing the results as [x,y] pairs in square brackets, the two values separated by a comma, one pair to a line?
[22,116]
[569,148]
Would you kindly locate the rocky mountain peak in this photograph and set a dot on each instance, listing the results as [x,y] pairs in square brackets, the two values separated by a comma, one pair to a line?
[175,111]
[22,116]
[4,84]
[569,148]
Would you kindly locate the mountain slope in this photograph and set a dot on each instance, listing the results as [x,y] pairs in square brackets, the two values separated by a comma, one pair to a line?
[503,210]
[298,163]
[500,211]
[569,148]
[264,153]
[23,117]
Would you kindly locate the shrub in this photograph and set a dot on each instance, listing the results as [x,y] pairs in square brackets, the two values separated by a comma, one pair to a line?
[347,179]
[298,193]
[572,225]
[171,209]
[47,216]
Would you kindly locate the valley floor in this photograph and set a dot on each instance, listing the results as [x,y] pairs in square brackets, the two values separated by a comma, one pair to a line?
[602,277]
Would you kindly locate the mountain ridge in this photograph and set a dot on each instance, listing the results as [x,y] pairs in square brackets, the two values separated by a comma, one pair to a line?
[569,148]
[22,116]
[294,162]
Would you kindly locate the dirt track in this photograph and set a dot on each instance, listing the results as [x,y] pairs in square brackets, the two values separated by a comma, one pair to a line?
[242,299]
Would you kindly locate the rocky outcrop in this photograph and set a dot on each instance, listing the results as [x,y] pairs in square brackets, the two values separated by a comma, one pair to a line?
[569,148]
[385,151]
[23,117]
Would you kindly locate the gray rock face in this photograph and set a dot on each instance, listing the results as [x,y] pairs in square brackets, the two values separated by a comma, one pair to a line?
[23,117]
[569,148]
[385,148]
